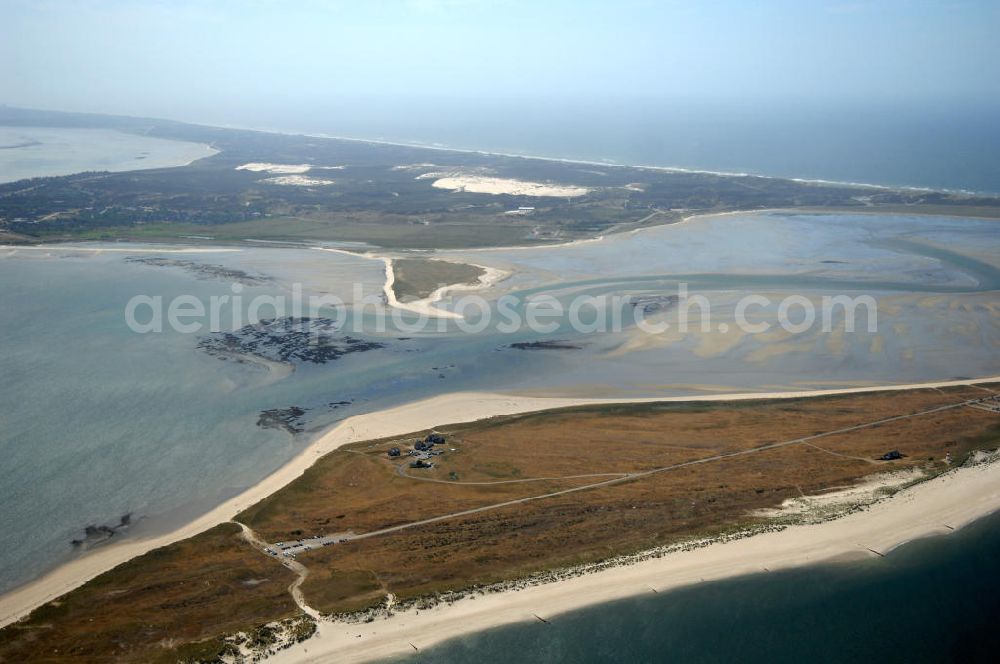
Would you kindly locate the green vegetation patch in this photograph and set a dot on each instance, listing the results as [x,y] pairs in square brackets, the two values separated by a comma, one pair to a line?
[417,278]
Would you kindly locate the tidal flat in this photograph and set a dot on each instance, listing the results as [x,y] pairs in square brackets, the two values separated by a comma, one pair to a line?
[82,431]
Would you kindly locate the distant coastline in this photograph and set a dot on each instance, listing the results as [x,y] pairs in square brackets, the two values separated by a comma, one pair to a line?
[614,196]
[437,146]
[613,164]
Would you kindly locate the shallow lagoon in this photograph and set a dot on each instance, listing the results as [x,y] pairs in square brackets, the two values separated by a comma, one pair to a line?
[934,281]
[98,421]
[29,152]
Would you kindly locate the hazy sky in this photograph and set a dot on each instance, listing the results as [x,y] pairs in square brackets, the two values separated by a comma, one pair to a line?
[194,61]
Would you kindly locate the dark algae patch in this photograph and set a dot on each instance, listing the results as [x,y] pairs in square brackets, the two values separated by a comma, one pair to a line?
[553,344]
[94,534]
[290,340]
[202,270]
[291,419]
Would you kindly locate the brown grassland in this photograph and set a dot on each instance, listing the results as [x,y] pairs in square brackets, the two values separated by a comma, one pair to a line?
[158,607]
[189,594]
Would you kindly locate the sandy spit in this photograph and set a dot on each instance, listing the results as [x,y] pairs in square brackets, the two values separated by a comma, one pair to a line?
[436,411]
[424,307]
[932,508]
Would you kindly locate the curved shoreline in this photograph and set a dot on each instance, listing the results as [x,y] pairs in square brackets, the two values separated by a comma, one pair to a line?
[454,408]
[425,306]
[935,507]
[607,164]
[194,151]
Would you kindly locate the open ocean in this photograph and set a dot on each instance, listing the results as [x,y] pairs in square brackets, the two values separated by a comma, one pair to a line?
[944,146]
[933,600]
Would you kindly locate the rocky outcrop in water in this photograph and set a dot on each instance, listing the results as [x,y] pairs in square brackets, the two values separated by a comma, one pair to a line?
[94,535]
[654,304]
[554,344]
[203,270]
[290,340]
[291,419]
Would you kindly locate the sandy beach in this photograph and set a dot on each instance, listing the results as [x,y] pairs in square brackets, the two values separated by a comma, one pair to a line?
[935,507]
[425,307]
[446,409]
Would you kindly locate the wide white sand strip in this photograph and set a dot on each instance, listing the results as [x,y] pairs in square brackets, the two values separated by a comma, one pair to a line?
[436,411]
[489,185]
[934,507]
[265,167]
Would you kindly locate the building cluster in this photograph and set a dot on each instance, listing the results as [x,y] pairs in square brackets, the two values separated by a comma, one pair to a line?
[522,211]
[422,451]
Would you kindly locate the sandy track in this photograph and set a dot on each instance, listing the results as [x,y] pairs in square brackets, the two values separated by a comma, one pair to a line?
[446,409]
[937,506]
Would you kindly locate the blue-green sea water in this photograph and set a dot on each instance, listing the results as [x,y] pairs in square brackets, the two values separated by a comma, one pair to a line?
[943,145]
[933,600]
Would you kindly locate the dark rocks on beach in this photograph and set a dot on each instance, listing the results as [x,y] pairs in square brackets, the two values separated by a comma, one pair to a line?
[554,344]
[290,340]
[93,534]
[290,419]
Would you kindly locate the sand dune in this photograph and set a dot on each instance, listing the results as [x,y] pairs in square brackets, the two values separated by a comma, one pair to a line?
[478,184]
[264,167]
